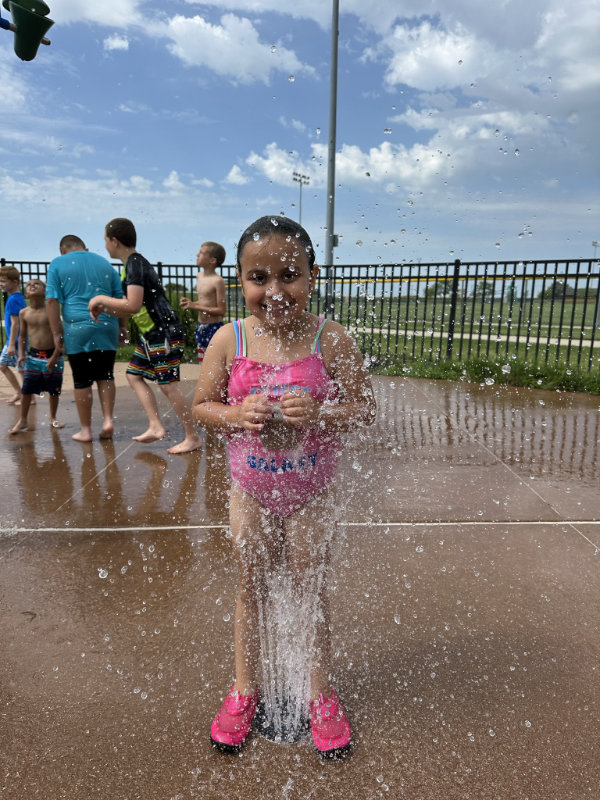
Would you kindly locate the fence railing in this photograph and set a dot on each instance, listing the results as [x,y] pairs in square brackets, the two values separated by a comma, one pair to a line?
[537,311]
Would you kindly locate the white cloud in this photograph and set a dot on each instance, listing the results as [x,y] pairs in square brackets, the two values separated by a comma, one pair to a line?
[296,124]
[116,42]
[68,197]
[236,176]
[113,13]
[134,108]
[304,9]
[14,90]
[393,166]
[277,165]
[172,182]
[431,59]
[232,49]
[569,39]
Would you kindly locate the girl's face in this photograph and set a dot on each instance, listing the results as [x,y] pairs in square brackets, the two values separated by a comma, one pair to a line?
[276,279]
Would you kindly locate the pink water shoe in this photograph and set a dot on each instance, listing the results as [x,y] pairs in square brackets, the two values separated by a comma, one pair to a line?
[231,726]
[329,726]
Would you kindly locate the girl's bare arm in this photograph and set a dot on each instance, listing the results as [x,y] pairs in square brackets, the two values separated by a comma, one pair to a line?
[355,405]
[209,406]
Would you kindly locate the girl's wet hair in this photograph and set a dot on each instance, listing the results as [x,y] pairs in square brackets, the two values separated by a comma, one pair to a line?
[275,224]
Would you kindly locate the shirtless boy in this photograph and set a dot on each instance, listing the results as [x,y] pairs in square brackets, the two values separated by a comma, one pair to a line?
[210,288]
[44,363]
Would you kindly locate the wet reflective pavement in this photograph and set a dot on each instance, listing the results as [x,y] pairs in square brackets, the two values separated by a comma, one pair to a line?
[465,607]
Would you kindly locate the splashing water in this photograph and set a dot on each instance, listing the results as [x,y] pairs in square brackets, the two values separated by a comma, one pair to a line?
[291,610]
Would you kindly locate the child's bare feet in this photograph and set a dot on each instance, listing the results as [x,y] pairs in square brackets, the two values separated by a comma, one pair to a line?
[54,423]
[151,435]
[189,444]
[21,425]
[107,431]
[82,436]
[15,400]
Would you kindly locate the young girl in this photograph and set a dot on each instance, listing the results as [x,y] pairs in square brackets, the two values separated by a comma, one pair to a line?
[282,385]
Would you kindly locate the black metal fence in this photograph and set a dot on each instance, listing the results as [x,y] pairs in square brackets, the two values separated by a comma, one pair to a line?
[537,311]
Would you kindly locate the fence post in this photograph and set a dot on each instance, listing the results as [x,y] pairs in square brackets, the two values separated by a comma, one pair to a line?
[329,305]
[159,267]
[452,317]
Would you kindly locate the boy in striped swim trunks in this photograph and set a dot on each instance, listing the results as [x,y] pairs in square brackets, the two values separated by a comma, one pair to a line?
[158,353]
[43,365]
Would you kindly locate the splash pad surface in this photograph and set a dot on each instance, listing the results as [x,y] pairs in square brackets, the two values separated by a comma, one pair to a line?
[464,608]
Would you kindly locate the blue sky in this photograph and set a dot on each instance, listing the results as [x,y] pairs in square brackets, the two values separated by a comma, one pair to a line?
[465,129]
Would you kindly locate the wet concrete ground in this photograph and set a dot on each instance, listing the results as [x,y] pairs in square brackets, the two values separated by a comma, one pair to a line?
[466,608]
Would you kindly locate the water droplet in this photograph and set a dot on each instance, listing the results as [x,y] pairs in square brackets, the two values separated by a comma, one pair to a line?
[291,78]
[102,573]
[397,619]
[273,49]
[387,131]
[489,381]
[506,369]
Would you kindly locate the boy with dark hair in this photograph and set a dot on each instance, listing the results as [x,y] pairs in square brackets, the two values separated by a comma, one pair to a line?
[10,280]
[43,364]
[158,353]
[210,288]
[73,278]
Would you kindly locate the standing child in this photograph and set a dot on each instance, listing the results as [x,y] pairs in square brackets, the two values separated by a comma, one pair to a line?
[210,288]
[10,280]
[158,352]
[283,385]
[44,363]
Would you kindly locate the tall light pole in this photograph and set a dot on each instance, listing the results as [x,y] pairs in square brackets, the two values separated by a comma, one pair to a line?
[303,180]
[330,239]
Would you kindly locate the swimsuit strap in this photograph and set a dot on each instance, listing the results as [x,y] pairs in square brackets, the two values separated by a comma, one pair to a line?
[240,337]
[316,345]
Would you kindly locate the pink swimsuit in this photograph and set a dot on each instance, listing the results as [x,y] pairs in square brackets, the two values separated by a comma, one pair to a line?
[282,480]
